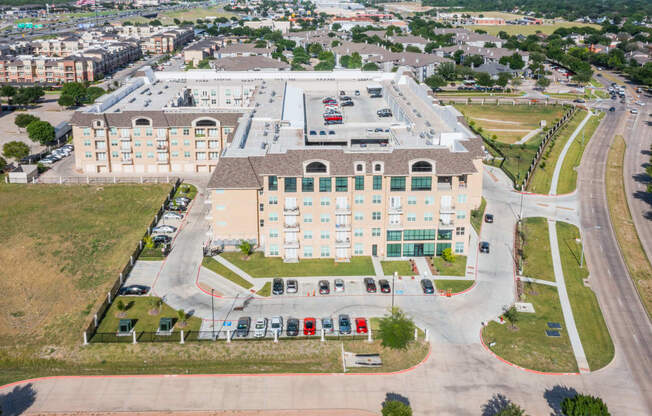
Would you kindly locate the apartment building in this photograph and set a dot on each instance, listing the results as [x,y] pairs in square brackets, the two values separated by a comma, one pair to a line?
[167,41]
[30,69]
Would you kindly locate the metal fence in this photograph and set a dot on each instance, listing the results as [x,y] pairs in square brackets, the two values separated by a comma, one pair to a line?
[104,180]
[91,328]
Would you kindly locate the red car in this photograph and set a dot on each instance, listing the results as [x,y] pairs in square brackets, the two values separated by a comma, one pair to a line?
[360,325]
[309,326]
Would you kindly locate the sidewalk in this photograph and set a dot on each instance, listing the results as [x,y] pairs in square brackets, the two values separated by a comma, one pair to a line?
[378,267]
[562,155]
[257,283]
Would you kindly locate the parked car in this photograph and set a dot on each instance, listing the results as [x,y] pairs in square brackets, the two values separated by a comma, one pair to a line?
[361,325]
[176,208]
[170,215]
[134,290]
[277,286]
[384,112]
[164,229]
[309,326]
[489,218]
[347,104]
[339,285]
[484,247]
[324,287]
[327,324]
[182,200]
[292,286]
[579,100]
[384,286]
[427,286]
[344,323]
[342,93]
[612,109]
[357,92]
[293,327]
[242,330]
[162,239]
[633,111]
[260,328]
[276,324]
[370,285]
[313,133]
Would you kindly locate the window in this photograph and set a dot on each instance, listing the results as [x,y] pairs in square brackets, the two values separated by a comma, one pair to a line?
[113,131]
[307,251]
[375,215]
[87,142]
[411,217]
[412,235]
[324,184]
[459,247]
[394,235]
[393,250]
[409,249]
[428,216]
[290,184]
[273,200]
[114,154]
[412,200]
[88,154]
[114,142]
[150,155]
[445,235]
[459,231]
[324,201]
[307,202]
[359,199]
[272,183]
[358,249]
[99,133]
[316,167]
[341,184]
[358,232]
[421,183]
[461,215]
[307,235]
[149,143]
[375,232]
[186,154]
[325,235]
[124,133]
[307,218]
[273,217]
[273,233]
[148,131]
[441,247]
[378,167]
[376,199]
[186,132]
[142,122]
[358,216]
[378,183]
[324,218]
[173,131]
[359,183]
[422,167]
[273,250]
[325,251]
[186,142]
[359,167]
[139,155]
[430,200]
[307,184]
[397,183]
[87,131]
[174,142]
[461,198]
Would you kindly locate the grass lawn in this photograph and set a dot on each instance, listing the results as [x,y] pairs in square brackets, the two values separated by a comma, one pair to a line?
[637,262]
[568,175]
[542,177]
[477,216]
[266,290]
[590,324]
[187,190]
[528,345]
[456,268]
[402,267]
[217,267]
[527,29]
[498,119]
[455,286]
[151,254]
[537,260]
[167,18]
[260,266]
[138,310]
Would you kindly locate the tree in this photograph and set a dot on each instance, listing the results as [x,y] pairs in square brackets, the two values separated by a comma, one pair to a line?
[336,26]
[484,79]
[3,164]
[448,255]
[396,408]
[154,303]
[511,316]
[581,405]
[245,247]
[15,149]
[503,79]
[181,315]
[7,91]
[23,120]
[447,71]
[396,330]
[176,21]
[66,101]
[121,307]
[76,90]
[511,410]
[370,66]
[40,131]
[149,241]
[412,48]
[435,81]
[543,83]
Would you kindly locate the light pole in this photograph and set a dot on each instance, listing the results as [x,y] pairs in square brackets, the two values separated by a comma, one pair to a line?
[213,312]
[393,277]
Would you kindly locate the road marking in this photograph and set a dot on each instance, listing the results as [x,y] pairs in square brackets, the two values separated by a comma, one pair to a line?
[568,208]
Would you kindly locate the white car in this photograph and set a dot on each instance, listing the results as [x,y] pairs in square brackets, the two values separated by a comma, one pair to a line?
[633,111]
[276,324]
[172,216]
[260,328]
[641,103]
[164,229]
[339,285]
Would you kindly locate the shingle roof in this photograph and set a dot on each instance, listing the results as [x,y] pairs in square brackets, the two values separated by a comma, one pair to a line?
[159,118]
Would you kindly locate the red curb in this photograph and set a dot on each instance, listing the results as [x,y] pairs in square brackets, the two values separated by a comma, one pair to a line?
[406,370]
[537,194]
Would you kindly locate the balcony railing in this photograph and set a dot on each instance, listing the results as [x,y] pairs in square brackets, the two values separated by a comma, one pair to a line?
[291,227]
[342,209]
[126,161]
[444,186]
[395,225]
[162,161]
[343,226]
[291,244]
[396,209]
[343,242]
[161,146]
[291,210]
[448,209]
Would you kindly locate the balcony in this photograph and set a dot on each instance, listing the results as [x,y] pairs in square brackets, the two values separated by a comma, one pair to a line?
[291,227]
[291,244]
[125,139]
[161,146]
[395,225]
[162,161]
[395,210]
[291,210]
[444,186]
[126,161]
[450,209]
[345,243]
[449,223]
[343,227]
[343,209]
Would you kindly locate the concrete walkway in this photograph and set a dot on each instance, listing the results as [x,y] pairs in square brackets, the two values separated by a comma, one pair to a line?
[422,266]
[574,336]
[235,269]
[528,136]
[537,281]
[378,267]
[562,155]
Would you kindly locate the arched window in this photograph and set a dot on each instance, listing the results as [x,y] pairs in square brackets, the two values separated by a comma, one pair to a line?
[377,167]
[316,167]
[359,167]
[422,167]
[205,123]
[142,122]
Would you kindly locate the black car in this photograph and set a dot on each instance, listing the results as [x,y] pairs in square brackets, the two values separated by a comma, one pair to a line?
[612,109]
[484,247]
[370,285]
[489,218]
[346,104]
[162,239]
[344,324]
[427,286]
[324,287]
[242,330]
[384,286]
[137,290]
[277,286]
[292,327]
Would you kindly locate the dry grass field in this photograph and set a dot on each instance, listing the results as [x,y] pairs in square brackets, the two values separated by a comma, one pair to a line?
[527,29]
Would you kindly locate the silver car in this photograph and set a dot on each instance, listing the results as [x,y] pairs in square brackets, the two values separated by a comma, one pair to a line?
[172,216]
[339,285]
[292,286]
[260,328]
[164,229]
[327,324]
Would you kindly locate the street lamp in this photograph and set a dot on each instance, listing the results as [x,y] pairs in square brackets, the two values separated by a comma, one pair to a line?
[393,278]
[213,312]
